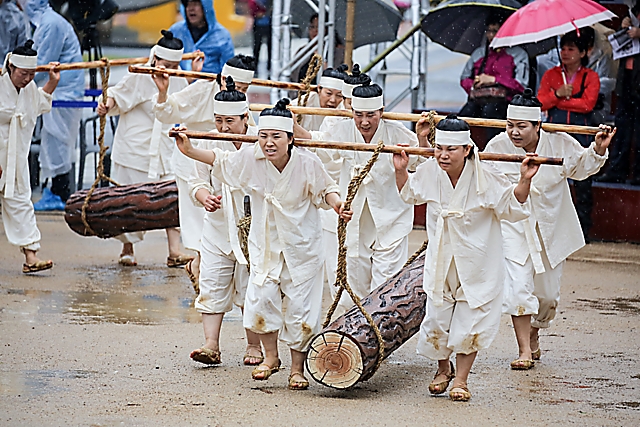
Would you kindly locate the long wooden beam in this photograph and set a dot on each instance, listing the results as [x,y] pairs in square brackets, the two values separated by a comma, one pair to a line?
[354,146]
[112,63]
[212,76]
[412,117]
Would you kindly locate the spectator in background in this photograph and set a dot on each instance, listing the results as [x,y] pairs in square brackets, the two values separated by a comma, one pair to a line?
[338,55]
[56,41]
[201,31]
[13,27]
[492,77]
[261,11]
[569,94]
[627,112]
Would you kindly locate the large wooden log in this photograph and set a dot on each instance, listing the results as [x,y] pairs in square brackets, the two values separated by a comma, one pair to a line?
[125,209]
[346,351]
[112,63]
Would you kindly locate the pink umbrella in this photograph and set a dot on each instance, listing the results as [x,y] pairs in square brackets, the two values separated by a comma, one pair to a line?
[542,19]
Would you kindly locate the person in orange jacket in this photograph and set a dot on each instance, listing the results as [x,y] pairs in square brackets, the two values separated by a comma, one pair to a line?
[569,93]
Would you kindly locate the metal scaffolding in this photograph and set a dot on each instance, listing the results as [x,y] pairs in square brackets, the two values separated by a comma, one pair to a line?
[413,46]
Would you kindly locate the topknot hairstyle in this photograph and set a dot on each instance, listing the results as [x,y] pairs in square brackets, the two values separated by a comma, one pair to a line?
[169,41]
[230,94]
[453,124]
[527,99]
[337,73]
[26,49]
[367,90]
[280,109]
[243,62]
[357,77]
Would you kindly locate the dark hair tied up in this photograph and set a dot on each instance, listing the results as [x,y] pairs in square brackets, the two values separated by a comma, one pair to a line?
[26,49]
[527,99]
[280,109]
[367,90]
[453,124]
[169,41]
[230,94]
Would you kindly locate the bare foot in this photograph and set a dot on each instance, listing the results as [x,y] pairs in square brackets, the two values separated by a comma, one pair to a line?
[253,355]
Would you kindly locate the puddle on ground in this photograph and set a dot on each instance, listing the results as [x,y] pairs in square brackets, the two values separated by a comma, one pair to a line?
[612,306]
[86,307]
[38,382]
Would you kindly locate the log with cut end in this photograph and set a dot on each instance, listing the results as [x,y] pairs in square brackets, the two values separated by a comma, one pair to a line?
[125,209]
[346,351]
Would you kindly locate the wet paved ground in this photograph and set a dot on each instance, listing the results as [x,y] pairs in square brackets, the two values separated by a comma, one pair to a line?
[90,343]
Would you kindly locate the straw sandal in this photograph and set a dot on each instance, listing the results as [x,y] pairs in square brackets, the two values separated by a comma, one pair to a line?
[460,394]
[522,364]
[206,356]
[127,261]
[264,374]
[298,385]
[535,355]
[37,266]
[441,387]
[178,261]
[246,360]
[194,280]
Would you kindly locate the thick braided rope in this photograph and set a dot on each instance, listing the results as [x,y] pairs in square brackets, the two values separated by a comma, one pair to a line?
[432,128]
[416,254]
[244,225]
[314,67]
[105,72]
[341,275]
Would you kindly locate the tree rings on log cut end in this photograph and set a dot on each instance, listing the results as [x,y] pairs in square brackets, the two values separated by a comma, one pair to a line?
[334,360]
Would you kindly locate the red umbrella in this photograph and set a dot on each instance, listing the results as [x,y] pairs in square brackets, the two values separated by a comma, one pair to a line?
[542,19]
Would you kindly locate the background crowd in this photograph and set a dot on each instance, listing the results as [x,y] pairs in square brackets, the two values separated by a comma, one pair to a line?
[578,82]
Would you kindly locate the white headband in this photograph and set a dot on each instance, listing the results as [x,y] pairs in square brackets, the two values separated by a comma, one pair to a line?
[444,137]
[331,82]
[276,123]
[367,104]
[230,108]
[22,61]
[517,112]
[347,89]
[238,74]
[168,54]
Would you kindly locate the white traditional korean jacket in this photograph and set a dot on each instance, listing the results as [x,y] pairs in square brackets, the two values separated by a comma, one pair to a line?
[313,122]
[552,209]
[291,198]
[141,142]
[392,217]
[463,223]
[18,114]
[223,223]
[193,108]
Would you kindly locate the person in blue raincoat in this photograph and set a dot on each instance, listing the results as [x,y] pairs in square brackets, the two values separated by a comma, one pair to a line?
[13,27]
[55,40]
[201,31]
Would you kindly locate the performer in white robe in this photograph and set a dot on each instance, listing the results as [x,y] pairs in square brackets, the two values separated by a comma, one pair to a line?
[142,149]
[21,102]
[287,186]
[193,107]
[536,249]
[378,237]
[224,271]
[329,95]
[464,267]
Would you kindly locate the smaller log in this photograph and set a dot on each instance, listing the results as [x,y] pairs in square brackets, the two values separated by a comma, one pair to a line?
[412,117]
[355,146]
[212,76]
[346,351]
[125,209]
[113,63]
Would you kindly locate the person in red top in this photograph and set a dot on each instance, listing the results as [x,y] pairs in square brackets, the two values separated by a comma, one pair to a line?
[569,94]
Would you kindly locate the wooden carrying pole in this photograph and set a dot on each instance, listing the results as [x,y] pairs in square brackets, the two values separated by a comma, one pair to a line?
[112,63]
[210,76]
[411,117]
[349,30]
[354,146]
